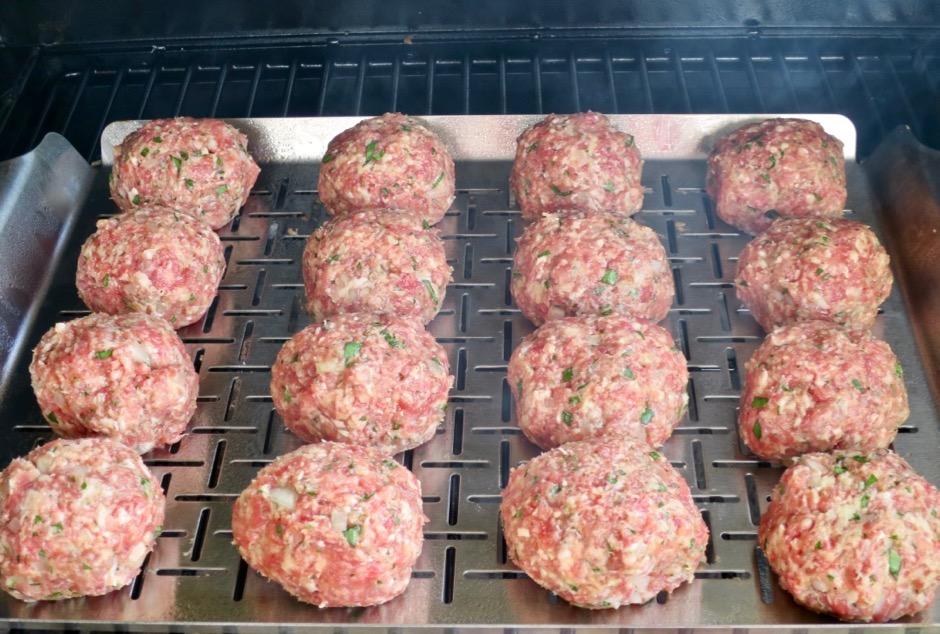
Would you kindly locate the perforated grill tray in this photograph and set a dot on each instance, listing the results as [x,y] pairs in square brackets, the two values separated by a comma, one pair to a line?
[462,578]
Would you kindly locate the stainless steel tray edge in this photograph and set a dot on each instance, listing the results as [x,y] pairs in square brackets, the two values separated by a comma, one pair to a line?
[195,579]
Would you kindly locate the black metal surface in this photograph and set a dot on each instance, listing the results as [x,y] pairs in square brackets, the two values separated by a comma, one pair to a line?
[878,83]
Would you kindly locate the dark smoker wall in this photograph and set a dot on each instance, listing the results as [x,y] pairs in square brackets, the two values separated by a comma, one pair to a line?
[76,21]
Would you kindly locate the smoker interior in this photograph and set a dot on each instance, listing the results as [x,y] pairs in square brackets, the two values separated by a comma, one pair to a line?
[880,80]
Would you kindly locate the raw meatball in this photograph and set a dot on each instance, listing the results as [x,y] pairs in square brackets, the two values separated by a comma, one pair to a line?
[77,518]
[375,262]
[153,261]
[854,535]
[126,377]
[335,525]
[603,523]
[812,268]
[197,167]
[589,377]
[364,380]
[577,161]
[776,168]
[392,162]
[816,386]
[590,263]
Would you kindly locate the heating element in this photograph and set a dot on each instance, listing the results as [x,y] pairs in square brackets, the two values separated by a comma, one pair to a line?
[463,578]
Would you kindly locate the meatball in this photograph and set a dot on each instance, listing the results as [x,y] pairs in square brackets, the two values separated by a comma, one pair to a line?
[153,261]
[77,518]
[815,386]
[126,377]
[577,161]
[785,168]
[375,262]
[810,268]
[603,523]
[590,263]
[854,535]
[197,167]
[391,162]
[335,525]
[589,377]
[363,380]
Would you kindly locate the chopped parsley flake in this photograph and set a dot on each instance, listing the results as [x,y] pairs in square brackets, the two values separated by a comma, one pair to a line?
[350,350]
[104,354]
[609,186]
[758,432]
[431,291]
[543,254]
[352,534]
[106,279]
[438,180]
[654,455]
[646,416]
[627,372]
[177,163]
[145,151]
[894,562]
[858,385]
[221,189]
[558,191]
[327,158]
[759,402]
[817,196]
[136,199]
[567,418]
[392,340]
[871,480]
[610,277]
[189,184]
[567,374]
[371,154]
[898,370]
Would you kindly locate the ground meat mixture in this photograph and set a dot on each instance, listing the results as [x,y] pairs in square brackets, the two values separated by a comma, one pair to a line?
[375,262]
[812,268]
[855,535]
[362,379]
[577,161]
[816,386]
[776,168]
[580,263]
[197,167]
[589,377]
[126,377]
[77,518]
[336,525]
[153,261]
[391,162]
[603,523]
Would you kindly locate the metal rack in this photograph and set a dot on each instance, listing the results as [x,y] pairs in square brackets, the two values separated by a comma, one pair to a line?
[879,85]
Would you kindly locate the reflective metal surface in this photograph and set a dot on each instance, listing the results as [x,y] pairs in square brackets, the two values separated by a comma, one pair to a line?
[195,577]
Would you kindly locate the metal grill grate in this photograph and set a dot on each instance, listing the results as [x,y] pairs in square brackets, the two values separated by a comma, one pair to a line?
[78,95]
[463,576]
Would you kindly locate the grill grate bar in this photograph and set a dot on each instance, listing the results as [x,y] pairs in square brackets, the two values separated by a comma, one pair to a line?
[680,80]
[892,72]
[869,97]
[289,89]
[716,80]
[94,148]
[184,87]
[788,81]
[76,100]
[754,83]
